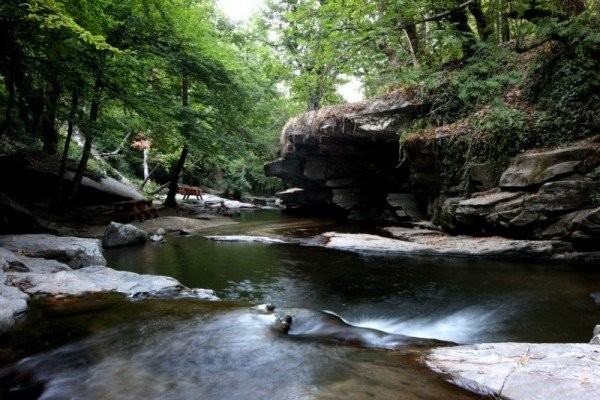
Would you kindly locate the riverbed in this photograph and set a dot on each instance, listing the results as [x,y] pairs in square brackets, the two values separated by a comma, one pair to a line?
[113,347]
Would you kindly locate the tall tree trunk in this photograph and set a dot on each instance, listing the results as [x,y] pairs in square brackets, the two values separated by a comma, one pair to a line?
[146,170]
[171,200]
[481,20]
[48,119]
[87,146]
[63,161]
[458,17]
[10,101]
[504,26]
[413,43]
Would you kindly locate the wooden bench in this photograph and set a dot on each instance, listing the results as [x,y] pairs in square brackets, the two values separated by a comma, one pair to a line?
[188,191]
[135,209]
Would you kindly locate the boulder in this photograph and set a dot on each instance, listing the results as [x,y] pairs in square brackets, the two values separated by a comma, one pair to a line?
[473,211]
[522,371]
[562,196]
[596,335]
[118,235]
[13,303]
[482,176]
[534,169]
[72,251]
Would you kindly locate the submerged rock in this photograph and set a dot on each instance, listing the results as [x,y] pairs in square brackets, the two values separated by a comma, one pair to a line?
[327,326]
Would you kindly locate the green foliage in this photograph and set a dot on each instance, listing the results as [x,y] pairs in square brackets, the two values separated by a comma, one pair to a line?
[566,82]
[479,80]
[505,131]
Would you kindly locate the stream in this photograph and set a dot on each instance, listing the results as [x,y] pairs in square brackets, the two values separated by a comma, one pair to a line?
[110,347]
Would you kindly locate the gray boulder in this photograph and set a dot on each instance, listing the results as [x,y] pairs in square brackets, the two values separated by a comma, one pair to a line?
[530,170]
[73,251]
[596,337]
[118,235]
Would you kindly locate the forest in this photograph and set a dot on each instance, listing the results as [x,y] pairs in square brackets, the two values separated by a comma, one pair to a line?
[157,87]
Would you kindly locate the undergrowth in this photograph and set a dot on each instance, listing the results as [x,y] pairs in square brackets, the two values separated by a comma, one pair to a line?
[557,101]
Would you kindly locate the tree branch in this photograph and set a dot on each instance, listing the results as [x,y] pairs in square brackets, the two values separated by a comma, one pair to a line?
[439,16]
[114,153]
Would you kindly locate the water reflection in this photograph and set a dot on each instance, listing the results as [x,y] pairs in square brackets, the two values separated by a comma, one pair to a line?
[461,300]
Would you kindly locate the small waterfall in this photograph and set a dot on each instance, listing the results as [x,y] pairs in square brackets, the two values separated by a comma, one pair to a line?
[467,325]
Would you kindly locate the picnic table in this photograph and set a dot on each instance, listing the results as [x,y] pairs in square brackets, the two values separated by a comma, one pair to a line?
[188,191]
[135,209]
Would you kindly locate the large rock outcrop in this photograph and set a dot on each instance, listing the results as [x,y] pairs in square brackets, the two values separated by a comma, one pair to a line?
[543,195]
[349,160]
[344,158]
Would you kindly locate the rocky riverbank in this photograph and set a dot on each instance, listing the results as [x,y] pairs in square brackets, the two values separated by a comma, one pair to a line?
[47,265]
[350,160]
[72,263]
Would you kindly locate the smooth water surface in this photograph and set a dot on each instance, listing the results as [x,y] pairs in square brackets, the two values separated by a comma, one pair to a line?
[186,349]
[461,300]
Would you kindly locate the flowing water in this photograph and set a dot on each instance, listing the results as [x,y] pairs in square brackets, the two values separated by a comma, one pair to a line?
[108,347]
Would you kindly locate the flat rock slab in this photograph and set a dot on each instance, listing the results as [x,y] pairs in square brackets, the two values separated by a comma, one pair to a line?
[89,279]
[418,242]
[522,371]
[73,251]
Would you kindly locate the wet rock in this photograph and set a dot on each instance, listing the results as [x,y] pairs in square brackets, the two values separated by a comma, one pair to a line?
[88,280]
[522,370]
[13,303]
[411,241]
[177,292]
[244,238]
[118,235]
[530,170]
[157,238]
[329,327]
[267,307]
[73,251]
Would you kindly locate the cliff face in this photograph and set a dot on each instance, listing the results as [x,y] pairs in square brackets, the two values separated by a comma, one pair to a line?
[344,159]
[349,160]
